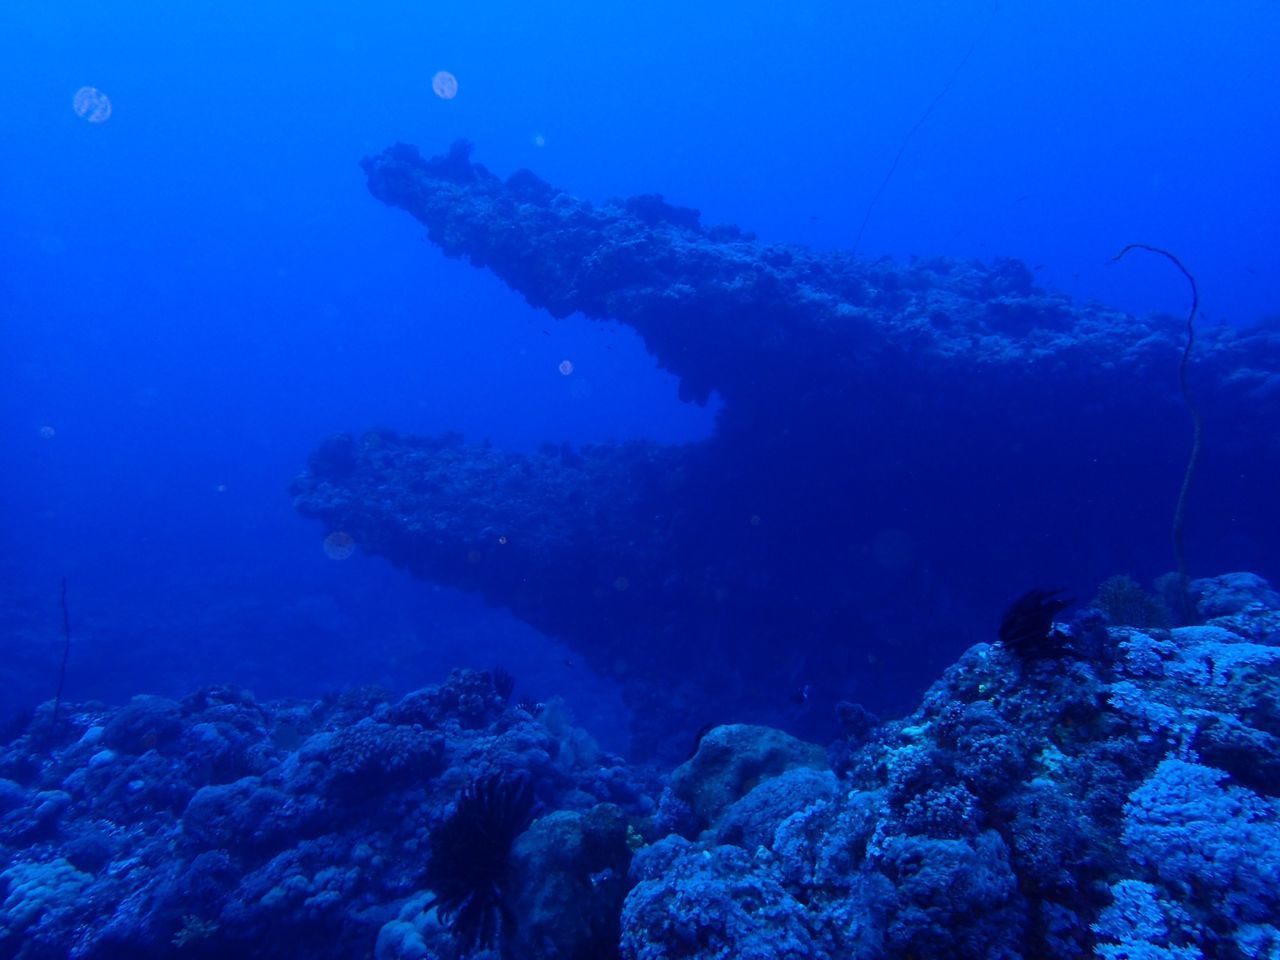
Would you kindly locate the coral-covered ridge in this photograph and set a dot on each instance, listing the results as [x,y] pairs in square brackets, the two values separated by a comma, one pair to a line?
[901,448]
[1121,799]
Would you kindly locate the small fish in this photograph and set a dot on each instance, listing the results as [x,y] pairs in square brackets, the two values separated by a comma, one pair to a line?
[800,696]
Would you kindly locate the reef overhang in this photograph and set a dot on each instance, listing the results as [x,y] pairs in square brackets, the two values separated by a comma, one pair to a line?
[902,446]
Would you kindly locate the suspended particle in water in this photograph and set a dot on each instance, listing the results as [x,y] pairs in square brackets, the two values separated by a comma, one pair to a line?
[539,140]
[565,368]
[621,583]
[339,545]
[445,85]
[91,104]
[47,432]
[503,541]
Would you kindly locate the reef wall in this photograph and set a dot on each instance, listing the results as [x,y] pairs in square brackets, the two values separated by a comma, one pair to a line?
[902,448]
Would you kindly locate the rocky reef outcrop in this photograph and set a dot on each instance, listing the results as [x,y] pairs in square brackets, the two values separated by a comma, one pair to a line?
[902,447]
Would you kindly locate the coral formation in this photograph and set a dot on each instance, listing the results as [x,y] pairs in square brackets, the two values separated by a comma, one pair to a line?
[1126,604]
[219,824]
[1053,808]
[805,519]
[1122,805]
[730,761]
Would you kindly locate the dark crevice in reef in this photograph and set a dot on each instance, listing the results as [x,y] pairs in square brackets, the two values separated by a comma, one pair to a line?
[901,448]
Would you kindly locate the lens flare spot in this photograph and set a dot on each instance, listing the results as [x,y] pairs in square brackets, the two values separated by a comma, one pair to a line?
[445,85]
[339,545]
[565,368]
[91,104]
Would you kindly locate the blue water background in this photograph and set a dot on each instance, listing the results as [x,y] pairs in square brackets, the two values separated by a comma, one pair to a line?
[196,292]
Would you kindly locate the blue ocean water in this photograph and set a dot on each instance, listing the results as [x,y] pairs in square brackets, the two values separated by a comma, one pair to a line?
[198,289]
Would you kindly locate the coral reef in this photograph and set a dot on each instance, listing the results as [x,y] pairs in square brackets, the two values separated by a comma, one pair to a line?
[729,762]
[1126,604]
[881,422]
[1063,808]
[221,826]
[1126,805]
[569,879]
